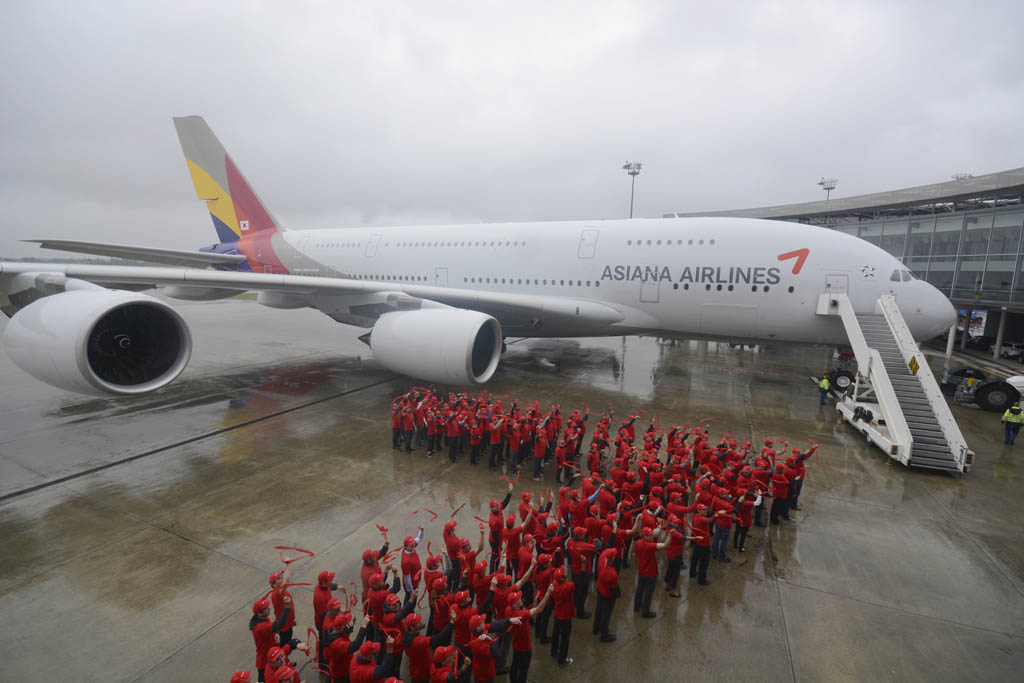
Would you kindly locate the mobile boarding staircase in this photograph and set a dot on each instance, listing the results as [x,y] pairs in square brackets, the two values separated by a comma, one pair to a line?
[895,401]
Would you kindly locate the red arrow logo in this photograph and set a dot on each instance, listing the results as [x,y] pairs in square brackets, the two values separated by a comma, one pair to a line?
[800,255]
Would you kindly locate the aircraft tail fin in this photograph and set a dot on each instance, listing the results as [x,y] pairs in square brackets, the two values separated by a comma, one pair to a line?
[235,208]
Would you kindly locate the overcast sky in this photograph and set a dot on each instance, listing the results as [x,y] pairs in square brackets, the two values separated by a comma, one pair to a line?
[343,114]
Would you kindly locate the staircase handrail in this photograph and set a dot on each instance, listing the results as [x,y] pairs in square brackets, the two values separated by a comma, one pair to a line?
[888,307]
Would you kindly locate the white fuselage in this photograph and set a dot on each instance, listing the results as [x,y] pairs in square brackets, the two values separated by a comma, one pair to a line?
[716,278]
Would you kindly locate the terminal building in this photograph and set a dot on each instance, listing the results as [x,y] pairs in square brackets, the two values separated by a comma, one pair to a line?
[963,236]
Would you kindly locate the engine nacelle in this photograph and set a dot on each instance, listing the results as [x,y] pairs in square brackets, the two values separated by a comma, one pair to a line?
[443,345]
[99,341]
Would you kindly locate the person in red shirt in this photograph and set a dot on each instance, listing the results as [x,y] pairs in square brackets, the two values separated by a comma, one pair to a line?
[646,550]
[747,501]
[580,560]
[476,433]
[419,646]
[495,522]
[565,609]
[608,592]
[780,491]
[279,669]
[412,569]
[701,543]
[364,668]
[337,646]
[723,507]
[322,594]
[277,595]
[396,424]
[370,566]
[443,668]
[263,631]
[522,645]
[486,645]
[674,555]
[540,449]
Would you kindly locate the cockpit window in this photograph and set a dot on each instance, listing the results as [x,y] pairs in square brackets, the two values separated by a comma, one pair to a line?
[902,276]
[895,277]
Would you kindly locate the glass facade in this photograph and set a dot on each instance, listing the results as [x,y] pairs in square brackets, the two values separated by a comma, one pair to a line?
[974,255]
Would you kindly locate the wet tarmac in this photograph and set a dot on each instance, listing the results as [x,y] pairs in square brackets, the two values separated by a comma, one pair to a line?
[137,532]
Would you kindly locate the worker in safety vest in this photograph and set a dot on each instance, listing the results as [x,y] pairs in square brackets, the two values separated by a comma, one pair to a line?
[823,387]
[1012,419]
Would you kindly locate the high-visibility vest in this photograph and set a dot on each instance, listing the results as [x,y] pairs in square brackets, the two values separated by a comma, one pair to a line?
[1010,417]
[824,383]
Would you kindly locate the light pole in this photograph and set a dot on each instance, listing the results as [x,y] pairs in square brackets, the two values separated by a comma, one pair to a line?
[828,184]
[632,169]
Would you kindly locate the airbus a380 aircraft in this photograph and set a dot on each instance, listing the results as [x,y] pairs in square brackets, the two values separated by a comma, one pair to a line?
[439,300]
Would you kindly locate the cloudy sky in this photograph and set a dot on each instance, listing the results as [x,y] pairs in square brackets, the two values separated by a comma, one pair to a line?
[345,113]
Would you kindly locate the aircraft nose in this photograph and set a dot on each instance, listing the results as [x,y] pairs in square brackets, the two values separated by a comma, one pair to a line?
[930,312]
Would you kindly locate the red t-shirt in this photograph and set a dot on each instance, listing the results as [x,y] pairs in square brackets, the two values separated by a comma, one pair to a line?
[277,600]
[564,597]
[646,558]
[521,641]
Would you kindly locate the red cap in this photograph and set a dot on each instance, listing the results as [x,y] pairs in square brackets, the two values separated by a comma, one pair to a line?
[593,510]
[450,525]
[273,653]
[274,577]
[768,442]
[648,531]
[438,585]
[579,531]
[701,507]
[461,597]
[511,521]
[477,621]
[495,503]
[442,653]
[514,597]
[413,621]
[559,574]
[504,579]
[480,567]
[260,605]
[334,603]
[672,519]
[340,621]
[543,558]
[325,577]
[653,505]
[377,578]
[433,561]
[286,673]
[409,540]
[525,495]
[527,538]
[392,599]
[631,476]
[371,555]
[368,649]
[241,677]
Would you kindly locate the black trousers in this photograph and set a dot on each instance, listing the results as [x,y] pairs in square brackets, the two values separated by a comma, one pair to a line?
[408,439]
[675,565]
[644,591]
[759,515]
[474,453]
[699,562]
[739,541]
[396,437]
[453,445]
[779,509]
[603,614]
[560,639]
[582,581]
[495,455]
[520,666]
[540,622]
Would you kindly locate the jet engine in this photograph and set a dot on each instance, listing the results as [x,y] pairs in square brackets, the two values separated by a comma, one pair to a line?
[99,341]
[443,345]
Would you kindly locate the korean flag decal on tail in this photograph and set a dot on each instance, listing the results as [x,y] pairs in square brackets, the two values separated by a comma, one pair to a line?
[244,225]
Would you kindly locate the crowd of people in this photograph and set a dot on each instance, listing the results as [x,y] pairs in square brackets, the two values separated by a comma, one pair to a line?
[475,611]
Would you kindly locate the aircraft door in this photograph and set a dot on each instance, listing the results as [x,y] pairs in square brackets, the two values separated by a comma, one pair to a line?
[441,277]
[650,290]
[588,243]
[837,284]
[371,246]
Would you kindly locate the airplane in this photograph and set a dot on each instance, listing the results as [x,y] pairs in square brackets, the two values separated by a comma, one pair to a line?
[440,300]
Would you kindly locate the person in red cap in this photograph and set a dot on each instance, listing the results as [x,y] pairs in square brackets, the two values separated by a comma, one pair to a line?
[701,543]
[277,595]
[747,501]
[565,610]
[419,646]
[371,566]
[241,676]
[646,550]
[322,594]
[364,669]
[522,644]
[674,554]
[338,646]
[495,522]
[379,592]
[263,631]
[608,591]
[486,645]
[542,580]
[412,569]
[279,668]
[441,601]
[443,668]
[581,556]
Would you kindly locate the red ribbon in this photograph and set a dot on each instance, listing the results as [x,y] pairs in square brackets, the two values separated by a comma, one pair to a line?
[383,532]
[305,553]
[432,518]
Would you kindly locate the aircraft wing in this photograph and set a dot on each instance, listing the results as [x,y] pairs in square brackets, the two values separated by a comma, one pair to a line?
[516,311]
[171,257]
